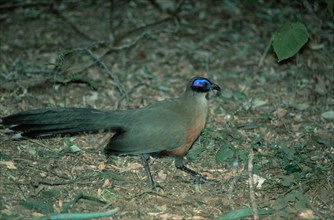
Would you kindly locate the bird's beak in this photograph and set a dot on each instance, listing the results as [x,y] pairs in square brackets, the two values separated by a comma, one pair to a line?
[216,87]
[213,87]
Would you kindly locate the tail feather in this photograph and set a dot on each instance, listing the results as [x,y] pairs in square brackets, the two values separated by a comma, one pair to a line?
[48,122]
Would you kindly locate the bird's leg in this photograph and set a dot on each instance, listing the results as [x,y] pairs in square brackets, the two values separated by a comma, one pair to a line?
[145,158]
[179,165]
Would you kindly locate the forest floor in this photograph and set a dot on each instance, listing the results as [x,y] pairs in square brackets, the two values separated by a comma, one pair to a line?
[273,122]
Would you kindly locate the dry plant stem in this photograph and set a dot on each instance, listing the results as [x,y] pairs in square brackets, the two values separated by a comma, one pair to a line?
[310,204]
[42,181]
[71,24]
[310,10]
[40,144]
[264,54]
[174,13]
[113,77]
[113,49]
[14,6]
[144,31]
[251,184]
[178,7]
[148,29]
[77,198]
[156,5]
[230,192]
[97,60]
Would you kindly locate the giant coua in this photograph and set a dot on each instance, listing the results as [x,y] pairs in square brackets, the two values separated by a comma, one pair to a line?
[165,128]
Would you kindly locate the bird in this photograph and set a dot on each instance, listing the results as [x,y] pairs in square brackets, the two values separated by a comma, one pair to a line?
[164,128]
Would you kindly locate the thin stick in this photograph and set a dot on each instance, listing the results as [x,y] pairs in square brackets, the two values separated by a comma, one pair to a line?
[251,183]
[105,68]
[71,24]
[264,54]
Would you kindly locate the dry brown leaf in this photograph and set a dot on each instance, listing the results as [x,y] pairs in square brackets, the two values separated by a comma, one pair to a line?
[198,217]
[280,112]
[101,166]
[106,183]
[162,175]
[10,164]
[307,214]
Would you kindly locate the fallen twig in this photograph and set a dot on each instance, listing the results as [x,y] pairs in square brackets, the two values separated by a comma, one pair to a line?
[105,68]
[71,24]
[77,198]
[251,183]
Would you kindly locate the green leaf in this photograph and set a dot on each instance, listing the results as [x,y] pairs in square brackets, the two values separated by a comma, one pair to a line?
[75,148]
[328,115]
[280,203]
[108,195]
[75,78]
[60,60]
[322,140]
[225,152]
[289,39]
[243,155]
[287,180]
[71,149]
[106,174]
[40,206]
[195,154]
[48,194]
[292,167]
[239,96]
[47,153]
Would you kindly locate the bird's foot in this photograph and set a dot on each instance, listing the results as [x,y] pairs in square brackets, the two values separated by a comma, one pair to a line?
[156,187]
[199,179]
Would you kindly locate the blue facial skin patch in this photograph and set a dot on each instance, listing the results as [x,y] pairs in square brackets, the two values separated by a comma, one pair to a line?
[201,85]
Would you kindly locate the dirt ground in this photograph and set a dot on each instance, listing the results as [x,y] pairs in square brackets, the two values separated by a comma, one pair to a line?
[273,122]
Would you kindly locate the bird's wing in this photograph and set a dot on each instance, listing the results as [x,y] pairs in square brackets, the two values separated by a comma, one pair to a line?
[155,128]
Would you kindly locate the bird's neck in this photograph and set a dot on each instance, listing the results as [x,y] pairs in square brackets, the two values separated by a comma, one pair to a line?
[196,103]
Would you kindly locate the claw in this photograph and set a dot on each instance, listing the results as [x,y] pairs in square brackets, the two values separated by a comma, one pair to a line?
[199,179]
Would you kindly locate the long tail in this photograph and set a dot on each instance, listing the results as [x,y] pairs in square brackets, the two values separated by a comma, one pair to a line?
[52,121]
